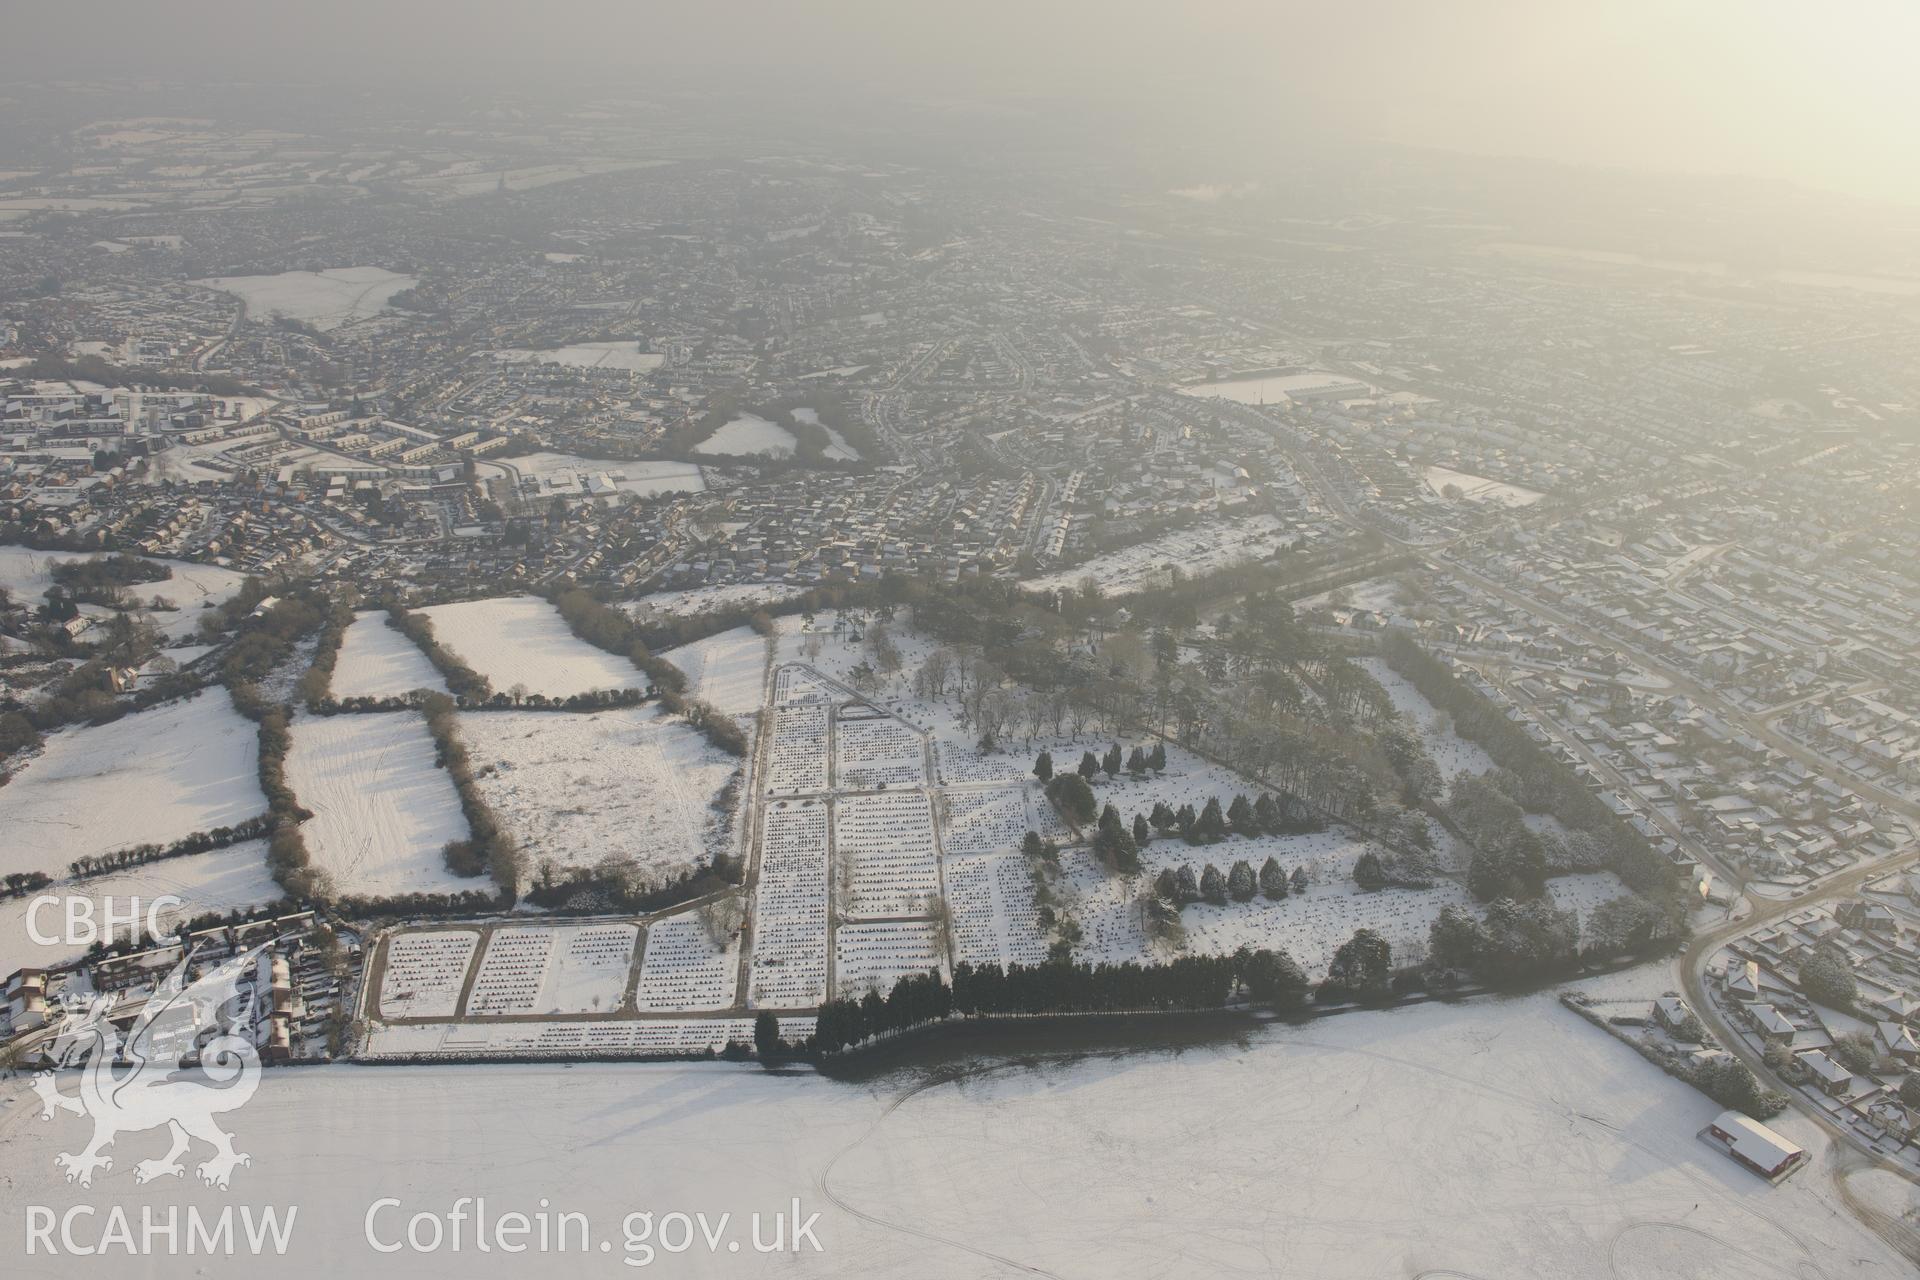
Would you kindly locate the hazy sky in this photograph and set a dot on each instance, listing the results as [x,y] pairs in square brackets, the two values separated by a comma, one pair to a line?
[1826,94]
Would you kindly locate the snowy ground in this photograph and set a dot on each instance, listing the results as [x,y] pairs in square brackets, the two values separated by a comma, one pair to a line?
[1271,389]
[1495,1139]
[1480,489]
[728,670]
[1383,595]
[382,809]
[837,446]
[151,777]
[1449,750]
[522,641]
[700,600]
[749,434]
[323,299]
[574,788]
[683,970]
[219,880]
[26,573]
[376,661]
[1201,549]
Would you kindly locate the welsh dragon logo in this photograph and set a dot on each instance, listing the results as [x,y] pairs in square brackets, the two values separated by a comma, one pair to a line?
[146,1082]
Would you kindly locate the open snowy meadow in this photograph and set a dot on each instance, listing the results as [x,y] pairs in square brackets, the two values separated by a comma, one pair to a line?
[576,788]
[382,809]
[324,299]
[1494,1139]
[728,670]
[376,661]
[517,641]
[148,778]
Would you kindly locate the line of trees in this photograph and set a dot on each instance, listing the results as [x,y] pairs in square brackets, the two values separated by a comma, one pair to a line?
[103,580]
[18,884]
[488,849]
[287,855]
[267,637]
[316,686]
[140,854]
[621,884]
[1187,983]
[610,629]
[1537,781]
[466,684]
[1182,886]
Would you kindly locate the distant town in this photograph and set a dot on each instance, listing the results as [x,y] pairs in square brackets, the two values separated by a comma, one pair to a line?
[593,601]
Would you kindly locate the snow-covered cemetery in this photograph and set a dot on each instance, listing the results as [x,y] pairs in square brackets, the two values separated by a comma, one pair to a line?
[741,633]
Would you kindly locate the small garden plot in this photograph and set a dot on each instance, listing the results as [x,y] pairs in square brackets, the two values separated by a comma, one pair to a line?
[983,820]
[521,642]
[218,881]
[1452,753]
[799,757]
[870,753]
[425,971]
[376,661]
[148,778]
[546,969]
[683,970]
[728,671]
[872,957]
[629,782]
[994,919]
[884,845]
[383,811]
[790,910]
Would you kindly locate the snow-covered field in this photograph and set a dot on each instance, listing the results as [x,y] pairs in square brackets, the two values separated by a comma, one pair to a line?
[837,446]
[589,355]
[1215,544]
[1494,1139]
[148,778]
[728,670]
[382,809]
[567,475]
[1272,389]
[522,641]
[323,299]
[576,788]
[218,880]
[27,574]
[376,661]
[1480,489]
[748,434]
